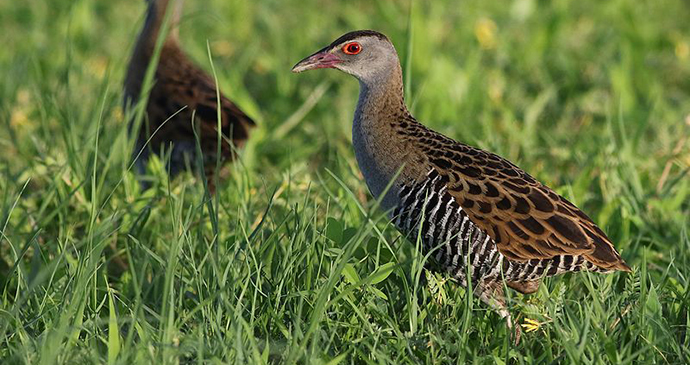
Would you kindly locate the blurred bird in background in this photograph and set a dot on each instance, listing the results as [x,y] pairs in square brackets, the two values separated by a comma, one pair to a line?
[180,92]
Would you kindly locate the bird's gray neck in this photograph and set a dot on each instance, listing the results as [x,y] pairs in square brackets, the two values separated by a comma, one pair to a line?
[376,143]
[381,93]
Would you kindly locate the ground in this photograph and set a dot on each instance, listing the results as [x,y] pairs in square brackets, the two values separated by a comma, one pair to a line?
[291,262]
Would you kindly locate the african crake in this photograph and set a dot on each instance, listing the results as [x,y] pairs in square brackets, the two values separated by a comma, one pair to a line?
[178,84]
[474,206]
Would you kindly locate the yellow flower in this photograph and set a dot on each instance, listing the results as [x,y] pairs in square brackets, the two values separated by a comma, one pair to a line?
[19,116]
[222,48]
[97,65]
[682,50]
[530,325]
[485,31]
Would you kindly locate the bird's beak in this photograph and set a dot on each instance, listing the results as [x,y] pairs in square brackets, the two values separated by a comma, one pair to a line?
[320,59]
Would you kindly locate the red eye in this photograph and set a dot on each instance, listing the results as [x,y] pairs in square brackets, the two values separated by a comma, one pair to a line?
[352,48]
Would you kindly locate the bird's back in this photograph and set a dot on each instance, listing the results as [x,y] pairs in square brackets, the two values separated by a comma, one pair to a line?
[183,90]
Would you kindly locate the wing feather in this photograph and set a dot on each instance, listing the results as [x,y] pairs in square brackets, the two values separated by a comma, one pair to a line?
[525,218]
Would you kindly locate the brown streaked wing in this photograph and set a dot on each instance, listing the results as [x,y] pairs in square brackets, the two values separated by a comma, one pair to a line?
[526,219]
[184,83]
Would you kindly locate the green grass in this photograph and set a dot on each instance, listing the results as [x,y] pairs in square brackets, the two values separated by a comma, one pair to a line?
[293,263]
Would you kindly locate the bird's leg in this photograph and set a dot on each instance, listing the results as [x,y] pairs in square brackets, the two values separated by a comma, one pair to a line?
[490,291]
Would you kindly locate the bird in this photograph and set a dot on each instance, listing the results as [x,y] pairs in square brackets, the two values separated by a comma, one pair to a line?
[484,220]
[181,91]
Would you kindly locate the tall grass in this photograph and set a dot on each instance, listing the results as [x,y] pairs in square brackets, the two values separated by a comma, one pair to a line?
[293,262]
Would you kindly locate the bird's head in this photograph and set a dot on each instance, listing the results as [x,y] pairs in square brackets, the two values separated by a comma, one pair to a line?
[364,54]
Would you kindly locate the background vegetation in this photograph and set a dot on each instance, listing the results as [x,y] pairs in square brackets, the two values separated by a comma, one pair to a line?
[291,262]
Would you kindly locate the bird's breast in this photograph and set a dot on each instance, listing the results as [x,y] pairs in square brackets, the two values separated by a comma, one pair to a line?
[382,157]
